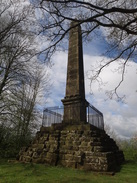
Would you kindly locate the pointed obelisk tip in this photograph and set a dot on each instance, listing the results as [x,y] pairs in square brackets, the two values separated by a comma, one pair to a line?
[73,23]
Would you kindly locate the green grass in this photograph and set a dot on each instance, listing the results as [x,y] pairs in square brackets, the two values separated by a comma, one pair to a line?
[15,172]
[36,173]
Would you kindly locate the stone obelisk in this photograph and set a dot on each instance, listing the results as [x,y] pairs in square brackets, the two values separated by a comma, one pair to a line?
[74,101]
[68,144]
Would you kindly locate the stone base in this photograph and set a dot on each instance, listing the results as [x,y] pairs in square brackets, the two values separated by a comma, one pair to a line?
[77,146]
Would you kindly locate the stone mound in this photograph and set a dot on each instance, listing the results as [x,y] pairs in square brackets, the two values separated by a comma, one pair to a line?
[77,146]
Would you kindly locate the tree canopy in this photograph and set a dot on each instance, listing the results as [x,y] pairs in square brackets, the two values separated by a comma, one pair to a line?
[115,19]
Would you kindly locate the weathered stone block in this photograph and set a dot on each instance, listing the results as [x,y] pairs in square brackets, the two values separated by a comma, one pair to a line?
[102,160]
[85,148]
[39,148]
[62,151]
[53,143]
[51,155]
[71,164]
[68,147]
[87,133]
[91,159]
[83,143]
[89,153]
[34,145]
[85,139]
[43,154]
[78,159]
[62,143]
[69,157]
[61,156]
[46,135]
[99,148]
[53,149]
[27,159]
[35,155]
[47,144]
[79,153]
[52,139]
[29,153]
[43,140]
[75,148]
[68,143]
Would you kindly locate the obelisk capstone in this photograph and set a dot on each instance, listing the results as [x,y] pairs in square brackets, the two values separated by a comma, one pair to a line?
[74,101]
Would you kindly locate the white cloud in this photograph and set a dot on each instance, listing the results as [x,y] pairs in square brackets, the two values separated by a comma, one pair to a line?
[122,117]
[58,76]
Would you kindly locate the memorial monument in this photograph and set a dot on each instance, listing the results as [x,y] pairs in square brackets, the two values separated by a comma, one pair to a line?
[74,142]
[74,101]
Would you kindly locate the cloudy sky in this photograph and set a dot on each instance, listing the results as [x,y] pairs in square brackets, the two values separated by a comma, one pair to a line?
[121,117]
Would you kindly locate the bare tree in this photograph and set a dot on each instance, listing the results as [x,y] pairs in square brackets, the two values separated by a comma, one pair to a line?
[115,18]
[16,50]
[27,115]
[22,77]
[16,46]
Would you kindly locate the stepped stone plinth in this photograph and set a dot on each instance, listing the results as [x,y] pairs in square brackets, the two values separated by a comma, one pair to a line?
[77,146]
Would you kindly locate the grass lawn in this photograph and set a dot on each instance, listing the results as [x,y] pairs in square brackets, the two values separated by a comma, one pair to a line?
[15,172]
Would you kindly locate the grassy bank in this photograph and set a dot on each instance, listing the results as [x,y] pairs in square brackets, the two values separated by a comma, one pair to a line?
[14,172]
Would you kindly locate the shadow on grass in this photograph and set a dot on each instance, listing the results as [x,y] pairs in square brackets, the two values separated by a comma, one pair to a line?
[125,163]
[118,168]
[130,161]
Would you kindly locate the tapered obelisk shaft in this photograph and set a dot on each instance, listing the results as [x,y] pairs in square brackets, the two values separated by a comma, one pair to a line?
[74,101]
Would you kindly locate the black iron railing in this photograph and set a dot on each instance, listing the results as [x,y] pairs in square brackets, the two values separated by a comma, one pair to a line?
[95,117]
[54,115]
